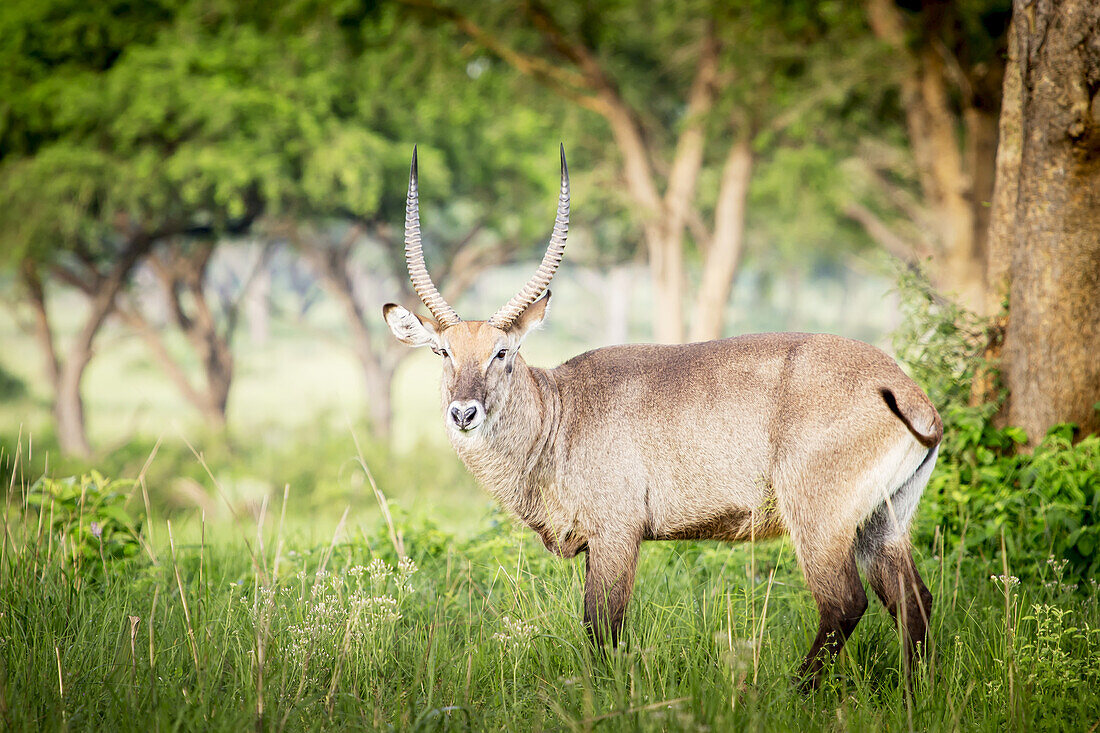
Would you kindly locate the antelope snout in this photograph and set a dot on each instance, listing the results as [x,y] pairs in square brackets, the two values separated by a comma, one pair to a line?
[466,415]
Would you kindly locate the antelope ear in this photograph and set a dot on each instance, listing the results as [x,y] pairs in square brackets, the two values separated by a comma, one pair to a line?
[531,318]
[409,328]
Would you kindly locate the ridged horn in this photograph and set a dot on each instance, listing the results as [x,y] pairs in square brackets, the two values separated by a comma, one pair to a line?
[422,283]
[538,283]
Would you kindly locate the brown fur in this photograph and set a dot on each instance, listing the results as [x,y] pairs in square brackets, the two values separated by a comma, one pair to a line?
[896,582]
[748,437]
[841,602]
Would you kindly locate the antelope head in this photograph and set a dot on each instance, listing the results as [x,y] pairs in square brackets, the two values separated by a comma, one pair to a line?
[479,357]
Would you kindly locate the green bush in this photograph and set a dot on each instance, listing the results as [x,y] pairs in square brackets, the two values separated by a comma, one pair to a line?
[86,518]
[1046,502]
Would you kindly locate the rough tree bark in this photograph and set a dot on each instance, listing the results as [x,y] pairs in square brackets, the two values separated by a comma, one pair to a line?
[1002,223]
[1050,218]
[953,143]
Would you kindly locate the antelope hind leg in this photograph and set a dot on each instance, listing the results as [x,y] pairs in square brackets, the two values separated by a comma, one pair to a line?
[841,602]
[893,575]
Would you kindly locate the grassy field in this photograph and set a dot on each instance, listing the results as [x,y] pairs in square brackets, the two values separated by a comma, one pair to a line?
[251,580]
[269,626]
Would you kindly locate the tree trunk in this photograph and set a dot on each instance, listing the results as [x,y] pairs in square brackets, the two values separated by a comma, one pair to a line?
[68,407]
[956,176]
[585,81]
[981,163]
[665,256]
[1002,219]
[932,133]
[1051,365]
[667,269]
[37,294]
[217,362]
[378,365]
[724,253]
[152,336]
[67,374]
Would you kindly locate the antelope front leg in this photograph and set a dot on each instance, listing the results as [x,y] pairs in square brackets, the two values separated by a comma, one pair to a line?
[608,582]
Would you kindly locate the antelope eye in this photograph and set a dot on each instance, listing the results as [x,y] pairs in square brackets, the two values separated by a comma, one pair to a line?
[501,354]
[443,353]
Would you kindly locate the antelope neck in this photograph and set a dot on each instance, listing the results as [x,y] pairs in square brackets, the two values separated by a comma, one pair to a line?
[514,460]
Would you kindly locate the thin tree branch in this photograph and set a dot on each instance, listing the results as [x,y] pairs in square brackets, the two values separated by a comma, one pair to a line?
[566,82]
[72,279]
[699,229]
[231,310]
[688,158]
[903,249]
[906,202]
[155,342]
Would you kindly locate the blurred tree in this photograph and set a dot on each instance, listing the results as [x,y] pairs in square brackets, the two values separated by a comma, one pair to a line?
[684,89]
[1045,239]
[197,117]
[72,207]
[182,270]
[486,152]
[948,66]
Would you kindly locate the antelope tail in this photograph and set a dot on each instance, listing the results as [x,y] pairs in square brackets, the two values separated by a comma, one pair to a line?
[914,409]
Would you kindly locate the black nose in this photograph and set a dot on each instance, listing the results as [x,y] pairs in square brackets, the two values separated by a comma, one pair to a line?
[463,418]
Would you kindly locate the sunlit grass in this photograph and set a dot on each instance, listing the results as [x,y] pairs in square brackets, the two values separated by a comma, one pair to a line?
[264,623]
[256,612]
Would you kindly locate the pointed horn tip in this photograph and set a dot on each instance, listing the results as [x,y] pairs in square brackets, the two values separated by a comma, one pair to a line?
[413,166]
[564,167]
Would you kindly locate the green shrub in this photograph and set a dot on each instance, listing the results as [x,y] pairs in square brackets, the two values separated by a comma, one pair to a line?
[1044,502]
[86,518]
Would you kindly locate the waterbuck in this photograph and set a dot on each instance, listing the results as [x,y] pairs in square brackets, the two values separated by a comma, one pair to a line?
[816,436]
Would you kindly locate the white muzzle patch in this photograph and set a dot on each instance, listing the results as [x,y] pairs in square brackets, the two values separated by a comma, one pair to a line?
[465,415]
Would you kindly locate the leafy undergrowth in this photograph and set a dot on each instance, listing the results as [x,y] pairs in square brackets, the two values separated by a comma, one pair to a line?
[231,626]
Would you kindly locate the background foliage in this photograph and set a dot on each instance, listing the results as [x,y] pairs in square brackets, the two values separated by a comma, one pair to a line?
[299,566]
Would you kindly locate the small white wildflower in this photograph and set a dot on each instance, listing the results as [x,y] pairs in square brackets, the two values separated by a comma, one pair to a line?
[515,634]
[97,531]
[1006,580]
[378,570]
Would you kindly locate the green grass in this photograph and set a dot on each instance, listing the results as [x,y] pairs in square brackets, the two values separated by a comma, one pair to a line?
[268,625]
[250,620]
